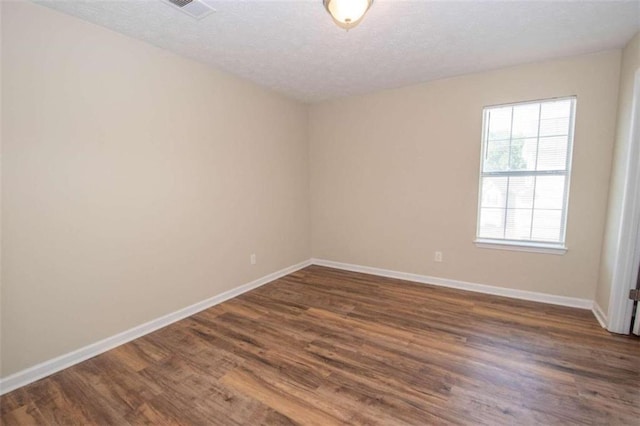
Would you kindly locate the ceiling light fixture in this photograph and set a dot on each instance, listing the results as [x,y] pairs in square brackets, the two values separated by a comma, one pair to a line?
[347,13]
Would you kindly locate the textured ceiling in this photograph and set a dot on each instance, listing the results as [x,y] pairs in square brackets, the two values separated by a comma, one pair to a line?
[293,46]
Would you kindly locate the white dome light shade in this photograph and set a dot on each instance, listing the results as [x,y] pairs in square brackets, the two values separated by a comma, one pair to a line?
[347,13]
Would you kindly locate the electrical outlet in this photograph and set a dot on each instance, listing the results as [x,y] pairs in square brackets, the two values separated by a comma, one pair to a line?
[438,256]
[252,259]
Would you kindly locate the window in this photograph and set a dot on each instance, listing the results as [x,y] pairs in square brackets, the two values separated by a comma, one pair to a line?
[524,175]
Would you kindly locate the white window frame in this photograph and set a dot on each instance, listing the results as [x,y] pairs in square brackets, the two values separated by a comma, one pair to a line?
[528,245]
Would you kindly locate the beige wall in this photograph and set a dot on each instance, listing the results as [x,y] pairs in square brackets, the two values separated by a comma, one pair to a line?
[134,183]
[394,176]
[630,64]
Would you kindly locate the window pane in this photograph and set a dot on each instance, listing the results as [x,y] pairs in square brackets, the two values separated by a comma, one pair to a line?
[491,223]
[554,126]
[525,121]
[549,192]
[552,153]
[499,123]
[523,154]
[496,156]
[494,192]
[546,225]
[518,224]
[521,192]
[556,109]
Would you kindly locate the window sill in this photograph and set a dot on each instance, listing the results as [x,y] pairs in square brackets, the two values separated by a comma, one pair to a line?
[521,246]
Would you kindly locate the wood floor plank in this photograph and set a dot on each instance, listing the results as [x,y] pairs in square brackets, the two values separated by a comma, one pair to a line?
[323,347]
[28,414]
[280,400]
[14,400]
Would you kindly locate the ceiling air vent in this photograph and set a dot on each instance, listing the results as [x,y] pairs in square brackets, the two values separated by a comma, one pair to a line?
[194,8]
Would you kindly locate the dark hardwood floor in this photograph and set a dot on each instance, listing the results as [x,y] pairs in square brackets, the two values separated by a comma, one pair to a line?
[325,347]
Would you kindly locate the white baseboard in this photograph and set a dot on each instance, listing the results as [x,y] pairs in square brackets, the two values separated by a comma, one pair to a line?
[573,302]
[49,367]
[600,316]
